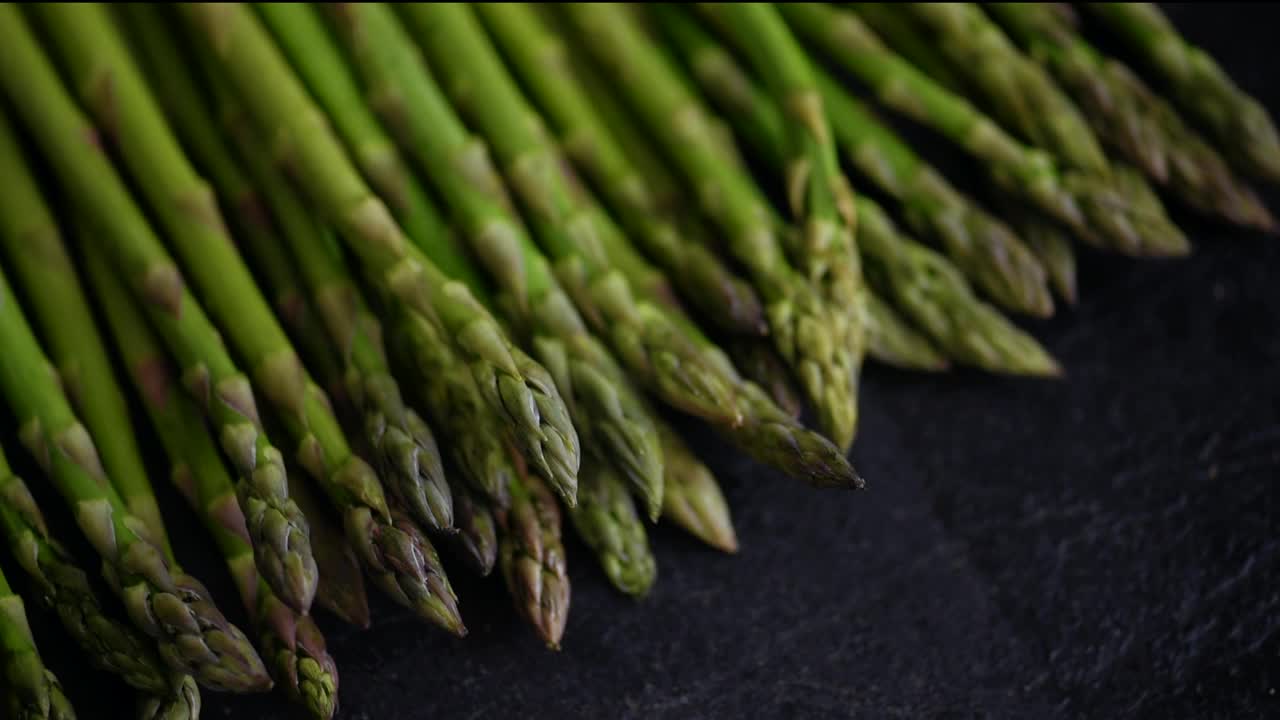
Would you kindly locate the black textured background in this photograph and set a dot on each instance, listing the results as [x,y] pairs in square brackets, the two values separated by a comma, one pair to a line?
[1105,546]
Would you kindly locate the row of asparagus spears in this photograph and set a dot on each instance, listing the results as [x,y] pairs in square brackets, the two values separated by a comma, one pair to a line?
[387,278]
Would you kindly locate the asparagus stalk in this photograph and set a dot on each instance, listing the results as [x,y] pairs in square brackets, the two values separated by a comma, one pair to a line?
[62,585]
[938,299]
[800,321]
[538,56]
[477,537]
[209,374]
[293,645]
[1049,241]
[450,395]
[511,383]
[980,244]
[606,519]
[820,198]
[341,590]
[36,250]
[188,211]
[697,250]
[1239,124]
[760,363]
[602,402]
[566,221]
[32,692]
[171,608]
[403,442]
[1132,118]
[900,31]
[1022,95]
[893,341]
[1110,210]
[162,61]
[693,499]
[531,556]
[40,262]
[772,436]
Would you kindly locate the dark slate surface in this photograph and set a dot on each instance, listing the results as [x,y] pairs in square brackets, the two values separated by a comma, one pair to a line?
[1106,546]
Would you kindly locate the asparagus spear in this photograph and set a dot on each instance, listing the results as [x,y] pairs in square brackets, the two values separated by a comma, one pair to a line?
[760,363]
[1131,118]
[820,197]
[403,442]
[531,556]
[173,609]
[1049,241]
[940,301]
[566,221]
[772,436]
[450,395]
[185,206]
[800,321]
[32,692]
[45,271]
[36,250]
[61,584]
[1022,94]
[510,382]
[1112,210]
[341,590]
[603,404]
[275,524]
[980,244]
[538,56]
[477,537]
[893,341]
[1239,124]
[606,519]
[1026,99]
[693,499]
[293,645]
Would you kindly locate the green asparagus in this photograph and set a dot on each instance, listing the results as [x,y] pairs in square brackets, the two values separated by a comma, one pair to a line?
[820,197]
[531,556]
[604,406]
[294,647]
[760,363]
[771,436]
[1131,118]
[606,519]
[893,341]
[539,57]
[938,299]
[1241,126]
[982,245]
[275,524]
[31,691]
[510,382]
[107,643]
[566,221]
[173,609]
[477,537]
[402,441]
[186,208]
[1022,95]
[341,590]
[801,323]
[451,397]
[693,499]
[1111,210]
[1049,241]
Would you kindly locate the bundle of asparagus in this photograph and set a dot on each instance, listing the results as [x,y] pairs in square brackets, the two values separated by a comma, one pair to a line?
[640,209]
